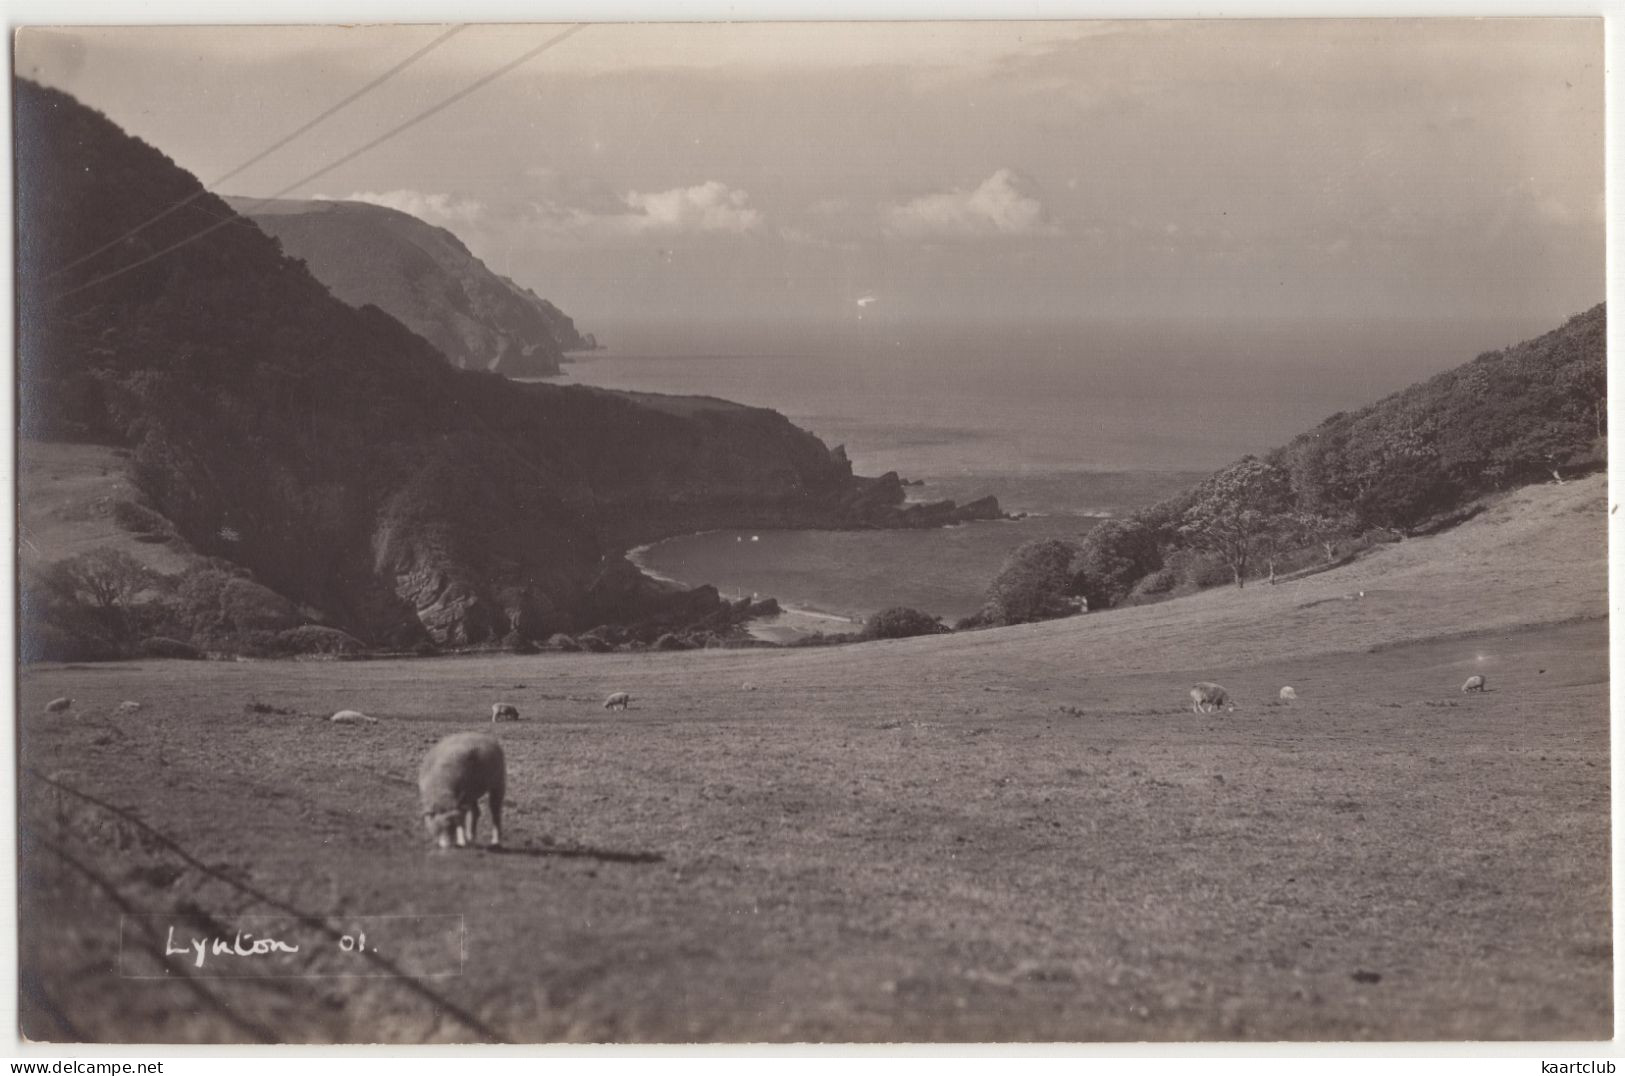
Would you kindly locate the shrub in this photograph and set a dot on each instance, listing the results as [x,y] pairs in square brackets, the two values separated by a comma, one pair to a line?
[315,639]
[516,643]
[901,622]
[1111,558]
[220,606]
[1036,583]
[141,520]
[670,641]
[45,641]
[247,606]
[1158,583]
[104,585]
[563,642]
[159,646]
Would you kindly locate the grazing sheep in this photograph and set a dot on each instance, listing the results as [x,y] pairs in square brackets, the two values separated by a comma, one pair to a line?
[747,686]
[352,717]
[1288,695]
[128,707]
[455,773]
[618,701]
[1207,698]
[504,711]
[1474,683]
[56,706]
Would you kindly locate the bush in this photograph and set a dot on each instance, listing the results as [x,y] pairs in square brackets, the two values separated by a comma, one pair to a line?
[563,642]
[1158,583]
[45,641]
[247,606]
[141,520]
[1036,583]
[516,643]
[315,639]
[670,641]
[1201,570]
[1111,558]
[901,622]
[159,646]
[219,606]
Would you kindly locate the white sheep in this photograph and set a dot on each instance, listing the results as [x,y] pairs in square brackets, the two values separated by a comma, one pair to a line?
[1288,694]
[56,706]
[618,701]
[455,773]
[504,711]
[352,717]
[1474,683]
[128,707]
[1207,698]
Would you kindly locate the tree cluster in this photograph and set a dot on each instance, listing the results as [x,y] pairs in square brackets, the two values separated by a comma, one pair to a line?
[1530,413]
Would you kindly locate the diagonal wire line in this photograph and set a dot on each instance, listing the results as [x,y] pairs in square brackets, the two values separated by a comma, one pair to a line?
[345,159]
[258,157]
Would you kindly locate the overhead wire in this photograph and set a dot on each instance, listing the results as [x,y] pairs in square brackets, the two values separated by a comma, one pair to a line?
[338,162]
[266,152]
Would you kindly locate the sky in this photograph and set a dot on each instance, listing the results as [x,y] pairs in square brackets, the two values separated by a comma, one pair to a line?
[1000,172]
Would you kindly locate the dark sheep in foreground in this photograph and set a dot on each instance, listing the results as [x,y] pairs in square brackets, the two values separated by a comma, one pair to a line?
[1474,683]
[56,706]
[618,701]
[1207,698]
[455,773]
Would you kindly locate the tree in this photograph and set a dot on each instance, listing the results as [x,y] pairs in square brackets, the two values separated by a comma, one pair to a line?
[1035,583]
[1327,528]
[900,622]
[1114,556]
[1236,511]
[107,581]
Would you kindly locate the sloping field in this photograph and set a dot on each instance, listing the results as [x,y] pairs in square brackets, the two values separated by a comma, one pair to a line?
[66,496]
[1017,834]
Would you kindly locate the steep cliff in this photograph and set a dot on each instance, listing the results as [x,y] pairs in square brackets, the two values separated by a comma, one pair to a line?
[334,452]
[425,278]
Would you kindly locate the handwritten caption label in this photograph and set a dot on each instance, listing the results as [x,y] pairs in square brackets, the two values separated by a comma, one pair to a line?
[288,946]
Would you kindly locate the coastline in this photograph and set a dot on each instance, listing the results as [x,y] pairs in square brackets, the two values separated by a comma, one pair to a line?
[792,622]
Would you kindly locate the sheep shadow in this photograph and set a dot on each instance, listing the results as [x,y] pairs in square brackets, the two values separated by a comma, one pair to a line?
[602,855]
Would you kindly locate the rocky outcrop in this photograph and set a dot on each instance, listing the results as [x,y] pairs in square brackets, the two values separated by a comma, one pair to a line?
[424,277]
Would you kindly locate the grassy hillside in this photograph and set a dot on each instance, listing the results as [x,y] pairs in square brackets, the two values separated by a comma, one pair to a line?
[1010,834]
[426,278]
[69,503]
[331,452]
[1417,461]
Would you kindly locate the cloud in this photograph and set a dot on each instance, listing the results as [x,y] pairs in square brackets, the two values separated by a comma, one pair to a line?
[1006,204]
[711,207]
[435,208]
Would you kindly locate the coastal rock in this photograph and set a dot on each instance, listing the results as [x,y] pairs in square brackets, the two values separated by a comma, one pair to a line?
[333,453]
[424,277]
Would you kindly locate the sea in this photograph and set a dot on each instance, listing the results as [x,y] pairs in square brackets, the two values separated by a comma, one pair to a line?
[1066,423]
